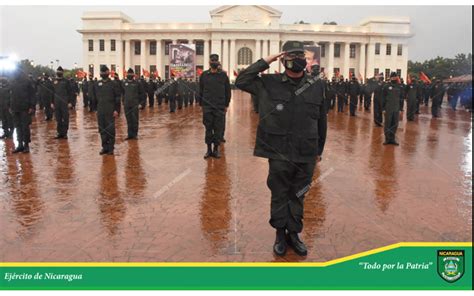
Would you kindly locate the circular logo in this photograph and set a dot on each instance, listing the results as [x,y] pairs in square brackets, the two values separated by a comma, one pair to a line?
[279,107]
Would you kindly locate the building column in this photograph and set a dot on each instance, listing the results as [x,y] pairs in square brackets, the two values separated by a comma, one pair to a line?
[158,59]
[370,60]
[127,55]
[85,55]
[404,66]
[345,67]
[233,66]
[265,50]
[142,56]
[362,60]
[207,53]
[274,49]
[119,57]
[216,47]
[96,58]
[330,54]
[258,49]
[225,57]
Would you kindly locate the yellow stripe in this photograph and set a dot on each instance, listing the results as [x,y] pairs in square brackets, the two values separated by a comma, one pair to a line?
[235,264]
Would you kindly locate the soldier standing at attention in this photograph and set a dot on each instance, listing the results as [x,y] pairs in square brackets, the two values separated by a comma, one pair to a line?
[172,92]
[437,93]
[22,105]
[63,96]
[341,95]
[131,99]
[5,115]
[91,94]
[46,96]
[391,106]
[108,107]
[378,101]
[354,91]
[291,133]
[412,99]
[214,93]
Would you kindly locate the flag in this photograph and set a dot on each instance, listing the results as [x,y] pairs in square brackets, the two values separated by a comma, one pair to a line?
[146,73]
[337,73]
[199,71]
[408,79]
[235,73]
[112,73]
[156,74]
[424,77]
[124,72]
[80,74]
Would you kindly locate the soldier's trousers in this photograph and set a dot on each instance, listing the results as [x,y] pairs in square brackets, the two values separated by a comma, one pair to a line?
[93,104]
[340,103]
[214,121]
[353,105]
[418,103]
[378,118]
[61,113]
[166,99]
[191,98]
[288,183]
[327,104]
[367,101]
[186,99]
[411,108]
[390,125]
[151,99]
[426,100]
[132,115]
[159,98]
[73,100]
[333,101]
[179,101]
[172,101]
[106,123]
[46,102]
[22,122]
[85,100]
[435,105]
[402,104]
[7,122]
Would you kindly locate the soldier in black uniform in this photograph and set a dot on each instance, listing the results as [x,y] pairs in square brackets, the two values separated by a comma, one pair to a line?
[291,134]
[142,81]
[22,104]
[341,95]
[391,106]
[160,94]
[193,86]
[331,93]
[181,92]
[214,93]
[85,92]
[46,96]
[378,101]
[74,92]
[5,115]
[132,93]
[150,89]
[437,93]
[412,100]
[63,95]
[354,90]
[108,108]
[91,94]
[368,89]
[172,92]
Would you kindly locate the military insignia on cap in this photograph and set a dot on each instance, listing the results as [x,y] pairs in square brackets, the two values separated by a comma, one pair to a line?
[126,84]
[100,83]
[279,107]
[390,87]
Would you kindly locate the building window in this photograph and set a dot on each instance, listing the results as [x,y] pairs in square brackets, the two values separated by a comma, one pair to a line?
[399,49]
[167,47]
[138,47]
[244,56]
[377,48]
[337,50]
[199,47]
[91,45]
[152,70]
[399,72]
[113,68]
[184,41]
[167,71]
[352,72]
[152,47]
[112,45]
[336,71]
[352,51]
[387,73]
[323,50]
[138,70]
[91,69]
[389,49]
[101,45]
[376,71]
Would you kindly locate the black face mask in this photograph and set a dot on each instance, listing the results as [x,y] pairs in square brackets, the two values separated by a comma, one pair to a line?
[104,76]
[59,74]
[129,77]
[295,65]
[214,65]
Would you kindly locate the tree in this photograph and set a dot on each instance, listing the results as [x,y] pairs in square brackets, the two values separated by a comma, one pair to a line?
[443,68]
[330,23]
[26,67]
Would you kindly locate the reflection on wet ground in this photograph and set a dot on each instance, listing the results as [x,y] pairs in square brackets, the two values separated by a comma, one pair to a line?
[158,200]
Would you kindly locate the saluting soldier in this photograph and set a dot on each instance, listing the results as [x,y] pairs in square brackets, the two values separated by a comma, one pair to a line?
[391,106]
[108,108]
[291,133]
[63,95]
[131,99]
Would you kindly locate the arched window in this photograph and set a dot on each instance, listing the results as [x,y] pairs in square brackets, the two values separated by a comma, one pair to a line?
[244,56]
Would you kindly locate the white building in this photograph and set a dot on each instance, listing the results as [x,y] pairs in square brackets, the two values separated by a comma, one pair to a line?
[241,35]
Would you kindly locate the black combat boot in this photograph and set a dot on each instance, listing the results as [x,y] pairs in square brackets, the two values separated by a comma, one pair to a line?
[215,152]
[209,152]
[280,246]
[26,149]
[297,244]
[103,151]
[18,149]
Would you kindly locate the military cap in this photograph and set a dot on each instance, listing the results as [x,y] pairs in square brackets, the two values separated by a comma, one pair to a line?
[59,69]
[214,56]
[130,71]
[393,74]
[293,46]
[104,68]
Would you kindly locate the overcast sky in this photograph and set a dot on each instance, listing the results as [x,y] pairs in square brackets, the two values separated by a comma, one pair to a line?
[45,33]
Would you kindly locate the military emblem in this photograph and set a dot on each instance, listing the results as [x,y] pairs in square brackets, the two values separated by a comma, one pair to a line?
[279,107]
[451,264]
[100,83]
